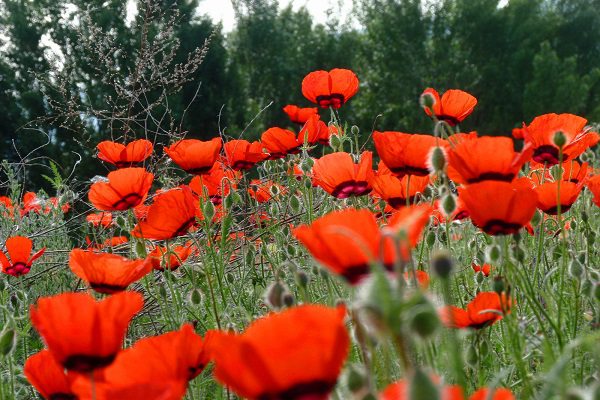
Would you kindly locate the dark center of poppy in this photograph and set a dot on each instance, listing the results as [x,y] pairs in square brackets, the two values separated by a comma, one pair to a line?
[183,228]
[62,396]
[107,288]
[128,201]
[492,176]
[315,390]
[334,100]
[410,170]
[125,164]
[216,200]
[242,164]
[554,210]
[84,363]
[18,269]
[461,215]
[399,202]
[547,154]
[498,227]
[199,170]
[351,188]
[450,119]
[483,324]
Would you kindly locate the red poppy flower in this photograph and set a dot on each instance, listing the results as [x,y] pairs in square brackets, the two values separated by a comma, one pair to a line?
[280,142]
[107,273]
[459,213]
[100,219]
[31,203]
[315,131]
[486,158]
[517,133]
[421,277]
[172,214]
[330,89]
[339,176]
[548,196]
[81,333]
[195,156]
[540,133]
[498,394]
[411,221]
[484,310]
[6,202]
[263,191]
[300,115]
[499,208]
[484,269]
[124,155]
[242,155]
[19,253]
[593,184]
[216,184]
[170,258]
[126,188]
[397,192]
[347,242]
[572,171]
[48,377]
[453,107]
[110,242]
[405,153]
[295,354]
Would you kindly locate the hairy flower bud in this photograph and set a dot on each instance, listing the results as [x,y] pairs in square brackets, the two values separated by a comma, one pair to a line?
[442,264]
[436,162]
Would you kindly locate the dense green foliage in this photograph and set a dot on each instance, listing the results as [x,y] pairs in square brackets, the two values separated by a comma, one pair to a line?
[519,59]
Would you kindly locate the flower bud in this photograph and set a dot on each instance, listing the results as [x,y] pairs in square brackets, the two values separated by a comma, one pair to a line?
[288,299]
[471,356]
[448,205]
[430,239]
[442,264]
[492,254]
[302,279]
[436,162]
[499,285]
[335,142]
[479,278]
[8,340]
[559,139]
[424,320]
[427,100]
[208,209]
[195,296]
[356,378]
[596,291]
[354,130]
[576,270]
[274,295]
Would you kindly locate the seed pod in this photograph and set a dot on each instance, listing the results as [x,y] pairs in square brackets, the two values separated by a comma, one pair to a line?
[559,139]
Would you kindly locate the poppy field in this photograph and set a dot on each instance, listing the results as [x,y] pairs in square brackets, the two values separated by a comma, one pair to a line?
[318,262]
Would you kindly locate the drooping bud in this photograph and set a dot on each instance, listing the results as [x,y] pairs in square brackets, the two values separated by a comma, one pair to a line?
[442,264]
[424,320]
[492,254]
[208,209]
[354,130]
[274,295]
[426,100]
[195,296]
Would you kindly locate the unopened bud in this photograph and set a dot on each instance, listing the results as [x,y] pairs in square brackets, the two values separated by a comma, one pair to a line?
[295,204]
[430,239]
[576,270]
[471,356]
[437,159]
[448,205]
[424,321]
[335,142]
[302,279]
[274,295]
[208,209]
[356,378]
[442,264]
[499,285]
[422,387]
[288,299]
[596,291]
[492,254]
[426,100]
[479,278]
[7,340]
[196,296]
[559,139]
[354,130]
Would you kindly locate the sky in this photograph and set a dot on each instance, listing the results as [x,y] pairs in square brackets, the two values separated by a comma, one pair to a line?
[222,10]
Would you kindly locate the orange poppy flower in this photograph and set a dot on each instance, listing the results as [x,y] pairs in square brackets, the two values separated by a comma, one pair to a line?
[339,176]
[31,203]
[126,188]
[498,394]
[411,221]
[484,310]
[347,242]
[81,333]
[164,258]
[421,277]
[572,171]
[459,213]
[19,258]
[398,191]
[540,134]
[548,196]
[216,184]
[100,219]
[405,153]
[172,214]
[242,155]
[295,354]
[110,242]
[280,142]
[315,131]
[593,184]
[107,273]
[453,107]
[124,155]
[48,377]
[300,115]
[484,269]
[486,158]
[6,206]
[330,89]
[263,191]
[499,208]
[195,156]
[517,133]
